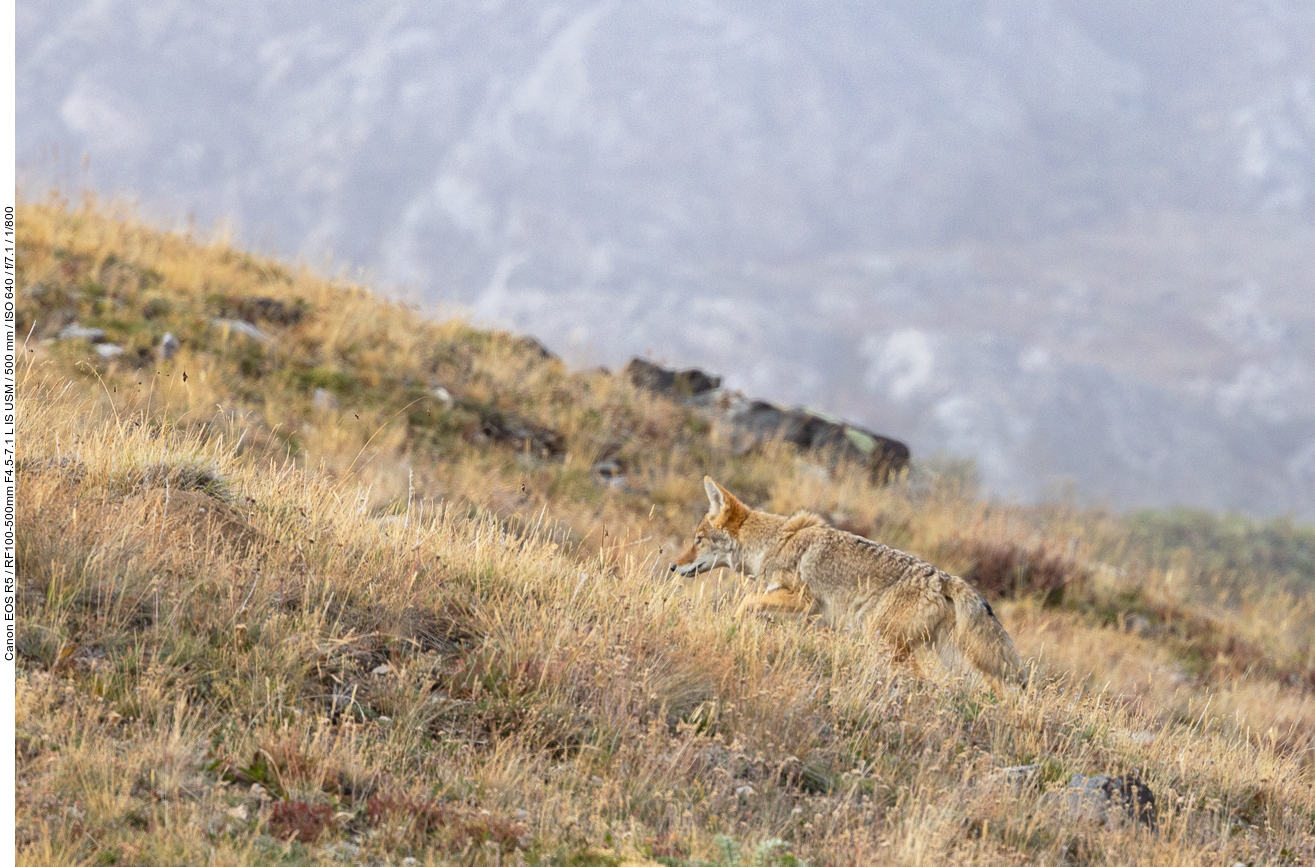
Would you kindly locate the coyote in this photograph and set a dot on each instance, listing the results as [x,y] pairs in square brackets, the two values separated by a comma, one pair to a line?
[814,568]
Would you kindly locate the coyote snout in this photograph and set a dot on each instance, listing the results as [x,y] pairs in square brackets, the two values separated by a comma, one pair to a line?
[711,550]
[854,582]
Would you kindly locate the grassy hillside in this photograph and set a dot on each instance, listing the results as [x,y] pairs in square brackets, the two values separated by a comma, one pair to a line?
[337,583]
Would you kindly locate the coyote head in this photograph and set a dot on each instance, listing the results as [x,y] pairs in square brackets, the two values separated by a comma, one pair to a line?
[716,541]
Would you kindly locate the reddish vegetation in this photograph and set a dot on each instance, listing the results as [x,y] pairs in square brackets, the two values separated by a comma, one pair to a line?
[427,815]
[1004,570]
[298,820]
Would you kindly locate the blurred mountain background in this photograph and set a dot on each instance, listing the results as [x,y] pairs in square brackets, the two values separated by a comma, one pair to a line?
[1073,240]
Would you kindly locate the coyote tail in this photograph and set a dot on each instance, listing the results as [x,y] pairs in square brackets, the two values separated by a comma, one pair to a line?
[980,637]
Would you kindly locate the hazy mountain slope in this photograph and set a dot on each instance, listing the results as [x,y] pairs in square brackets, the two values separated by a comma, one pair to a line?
[1070,239]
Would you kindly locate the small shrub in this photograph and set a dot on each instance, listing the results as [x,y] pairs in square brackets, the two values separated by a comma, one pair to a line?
[177,476]
[421,817]
[425,815]
[481,828]
[298,820]
[156,308]
[1004,570]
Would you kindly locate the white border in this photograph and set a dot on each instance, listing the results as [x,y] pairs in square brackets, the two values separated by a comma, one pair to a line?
[8,290]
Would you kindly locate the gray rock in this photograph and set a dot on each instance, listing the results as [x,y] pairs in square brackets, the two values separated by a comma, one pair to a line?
[168,347]
[810,429]
[1019,772]
[720,400]
[1138,625]
[1106,799]
[511,429]
[1020,777]
[755,422]
[242,327]
[324,400]
[610,472]
[675,383]
[607,469]
[109,350]
[251,308]
[533,347]
[74,331]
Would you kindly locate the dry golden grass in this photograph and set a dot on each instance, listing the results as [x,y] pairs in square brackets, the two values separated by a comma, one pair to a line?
[254,632]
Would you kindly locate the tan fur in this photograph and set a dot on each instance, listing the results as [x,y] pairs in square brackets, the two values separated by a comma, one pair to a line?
[851,582]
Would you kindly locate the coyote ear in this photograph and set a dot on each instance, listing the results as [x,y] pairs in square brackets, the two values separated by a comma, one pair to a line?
[717,495]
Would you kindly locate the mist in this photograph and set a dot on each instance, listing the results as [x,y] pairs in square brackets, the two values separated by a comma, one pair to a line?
[1073,241]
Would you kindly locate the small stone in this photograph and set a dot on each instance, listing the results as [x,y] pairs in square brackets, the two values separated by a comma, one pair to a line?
[607,469]
[169,347]
[442,394]
[74,331]
[1137,624]
[239,812]
[242,327]
[109,350]
[1018,773]
[745,792]
[343,851]
[409,861]
[383,668]
[324,400]
[258,791]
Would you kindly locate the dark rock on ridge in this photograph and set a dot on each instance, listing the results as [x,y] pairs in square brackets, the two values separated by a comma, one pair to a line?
[673,383]
[754,422]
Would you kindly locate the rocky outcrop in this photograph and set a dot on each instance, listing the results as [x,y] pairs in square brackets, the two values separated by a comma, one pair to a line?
[252,308]
[1107,799]
[74,331]
[673,383]
[533,348]
[755,422]
[512,429]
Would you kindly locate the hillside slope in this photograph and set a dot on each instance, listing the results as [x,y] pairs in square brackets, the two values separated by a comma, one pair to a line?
[338,583]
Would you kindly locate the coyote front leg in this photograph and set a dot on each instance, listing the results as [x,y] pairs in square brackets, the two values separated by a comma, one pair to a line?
[778,599]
